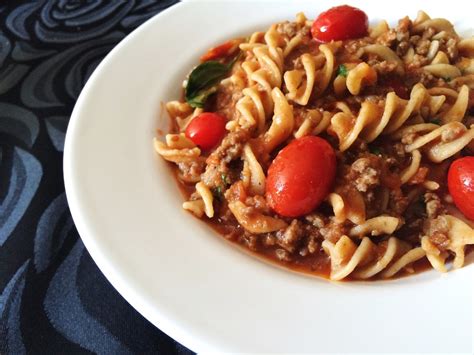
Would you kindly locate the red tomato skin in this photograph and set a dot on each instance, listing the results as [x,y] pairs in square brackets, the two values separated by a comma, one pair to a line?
[222,50]
[301,176]
[340,23]
[206,130]
[461,185]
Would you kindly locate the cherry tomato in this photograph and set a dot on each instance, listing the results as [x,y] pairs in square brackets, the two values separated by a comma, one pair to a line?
[206,130]
[301,176]
[339,23]
[221,51]
[461,185]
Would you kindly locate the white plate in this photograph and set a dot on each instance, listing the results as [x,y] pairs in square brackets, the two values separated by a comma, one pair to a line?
[172,267]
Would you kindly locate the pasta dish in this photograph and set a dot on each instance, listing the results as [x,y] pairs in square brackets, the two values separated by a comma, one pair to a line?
[333,147]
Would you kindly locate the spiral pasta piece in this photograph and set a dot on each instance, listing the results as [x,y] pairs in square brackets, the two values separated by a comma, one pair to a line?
[411,170]
[460,234]
[394,249]
[176,155]
[457,111]
[300,83]
[375,226]
[436,258]
[254,222]
[207,198]
[466,47]
[373,120]
[196,207]
[282,123]
[348,205]
[256,180]
[182,113]
[349,259]
[348,128]
[423,22]
[326,72]
[179,141]
[314,123]
[358,77]
[450,138]
[264,72]
[346,255]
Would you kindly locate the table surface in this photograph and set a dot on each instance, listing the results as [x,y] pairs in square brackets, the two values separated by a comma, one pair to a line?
[53,298]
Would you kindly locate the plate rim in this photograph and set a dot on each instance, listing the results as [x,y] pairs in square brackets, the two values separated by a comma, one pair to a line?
[164,323]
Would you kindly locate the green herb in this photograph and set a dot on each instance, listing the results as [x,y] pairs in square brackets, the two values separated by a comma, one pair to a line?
[203,81]
[447,78]
[375,150]
[436,121]
[342,70]
[225,179]
[217,192]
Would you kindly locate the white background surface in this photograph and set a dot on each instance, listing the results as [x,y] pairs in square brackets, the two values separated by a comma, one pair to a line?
[173,268]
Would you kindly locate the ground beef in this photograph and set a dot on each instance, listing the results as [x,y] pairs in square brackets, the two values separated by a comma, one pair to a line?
[225,100]
[437,231]
[258,203]
[311,246]
[434,206]
[398,202]
[249,240]
[384,67]
[441,240]
[190,172]
[397,38]
[217,163]
[269,240]
[452,49]
[334,231]
[283,255]
[422,47]
[289,238]
[365,173]
[317,220]
[353,46]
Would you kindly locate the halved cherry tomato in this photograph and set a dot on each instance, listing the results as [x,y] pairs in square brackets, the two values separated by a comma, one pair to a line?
[461,185]
[301,176]
[206,130]
[339,23]
[221,51]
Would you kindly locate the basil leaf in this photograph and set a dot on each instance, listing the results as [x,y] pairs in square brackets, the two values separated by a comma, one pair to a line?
[202,80]
[342,70]
[201,97]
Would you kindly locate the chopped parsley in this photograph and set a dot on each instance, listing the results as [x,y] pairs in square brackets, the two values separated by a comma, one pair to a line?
[342,70]
[447,78]
[217,192]
[225,179]
[436,121]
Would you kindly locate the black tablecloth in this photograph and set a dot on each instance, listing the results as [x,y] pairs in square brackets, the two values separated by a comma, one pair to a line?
[53,297]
